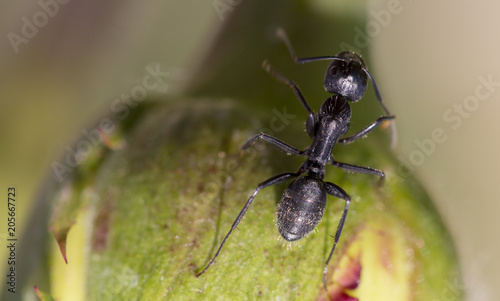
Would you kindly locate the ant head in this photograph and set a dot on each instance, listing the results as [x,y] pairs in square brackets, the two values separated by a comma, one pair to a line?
[347,76]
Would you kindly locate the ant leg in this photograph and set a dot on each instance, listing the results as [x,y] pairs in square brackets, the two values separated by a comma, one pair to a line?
[280,33]
[336,191]
[282,146]
[292,85]
[366,130]
[271,181]
[357,168]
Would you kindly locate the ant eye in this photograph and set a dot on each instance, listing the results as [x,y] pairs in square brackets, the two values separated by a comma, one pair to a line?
[338,67]
[333,70]
[311,125]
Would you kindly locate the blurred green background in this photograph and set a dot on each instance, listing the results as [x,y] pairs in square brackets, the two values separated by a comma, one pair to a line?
[429,59]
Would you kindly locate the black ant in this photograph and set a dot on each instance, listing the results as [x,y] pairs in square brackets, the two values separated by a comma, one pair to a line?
[303,203]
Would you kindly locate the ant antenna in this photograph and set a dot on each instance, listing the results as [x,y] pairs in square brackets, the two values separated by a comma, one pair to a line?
[377,93]
[280,33]
[394,133]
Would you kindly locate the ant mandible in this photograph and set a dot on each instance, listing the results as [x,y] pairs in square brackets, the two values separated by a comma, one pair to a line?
[303,203]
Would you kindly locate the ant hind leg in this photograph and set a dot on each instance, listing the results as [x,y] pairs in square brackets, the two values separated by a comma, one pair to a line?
[271,181]
[335,190]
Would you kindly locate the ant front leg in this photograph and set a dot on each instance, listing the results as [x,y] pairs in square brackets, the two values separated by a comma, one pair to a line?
[366,130]
[359,169]
[282,146]
[292,85]
[271,181]
[336,191]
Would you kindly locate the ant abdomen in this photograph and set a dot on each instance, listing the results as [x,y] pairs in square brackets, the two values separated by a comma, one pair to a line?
[301,208]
